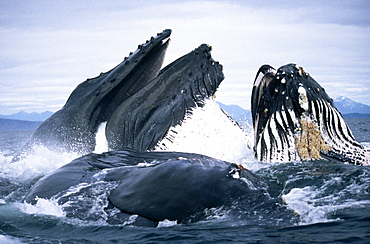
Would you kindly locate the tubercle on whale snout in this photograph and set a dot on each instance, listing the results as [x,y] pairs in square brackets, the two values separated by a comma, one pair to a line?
[206,49]
[211,74]
[160,38]
[142,49]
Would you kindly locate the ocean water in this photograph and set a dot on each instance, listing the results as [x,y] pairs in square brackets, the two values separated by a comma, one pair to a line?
[322,201]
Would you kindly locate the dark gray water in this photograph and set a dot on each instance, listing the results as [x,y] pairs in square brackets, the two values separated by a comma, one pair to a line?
[324,202]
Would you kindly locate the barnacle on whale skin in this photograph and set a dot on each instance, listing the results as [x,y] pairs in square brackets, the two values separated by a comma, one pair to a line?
[309,141]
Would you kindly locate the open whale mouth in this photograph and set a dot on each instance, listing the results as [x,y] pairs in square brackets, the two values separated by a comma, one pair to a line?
[190,78]
[137,99]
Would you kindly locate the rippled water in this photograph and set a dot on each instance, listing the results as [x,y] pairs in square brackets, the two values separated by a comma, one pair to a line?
[316,202]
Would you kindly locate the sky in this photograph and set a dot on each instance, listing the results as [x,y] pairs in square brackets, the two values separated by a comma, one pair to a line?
[48,47]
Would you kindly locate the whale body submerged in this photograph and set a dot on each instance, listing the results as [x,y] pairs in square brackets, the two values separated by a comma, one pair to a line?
[154,186]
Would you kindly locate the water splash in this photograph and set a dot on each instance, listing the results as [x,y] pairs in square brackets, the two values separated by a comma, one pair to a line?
[166,223]
[101,140]
[209,131]
[321,202]
[9,240]
[44,207]
[40,162]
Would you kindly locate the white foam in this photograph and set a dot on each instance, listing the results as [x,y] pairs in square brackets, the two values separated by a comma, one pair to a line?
[101,143]
[314,205]
[9,240]
[166,223]
[43,160]
[210,132]
[366,144]
[40,162]
[43,207]
[301,200]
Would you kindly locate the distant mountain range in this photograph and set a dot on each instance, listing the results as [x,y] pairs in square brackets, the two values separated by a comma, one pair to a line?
[22,115]
[30,121]
[236,112]
[352,109]
[23,120]
[347,107]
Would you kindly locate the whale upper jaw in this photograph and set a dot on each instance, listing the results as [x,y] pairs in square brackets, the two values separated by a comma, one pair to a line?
[294,119]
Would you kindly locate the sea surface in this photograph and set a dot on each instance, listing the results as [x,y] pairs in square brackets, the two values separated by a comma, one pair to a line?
[328,203]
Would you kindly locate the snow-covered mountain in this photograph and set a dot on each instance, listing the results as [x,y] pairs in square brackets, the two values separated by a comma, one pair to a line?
[236,112]
[348,106]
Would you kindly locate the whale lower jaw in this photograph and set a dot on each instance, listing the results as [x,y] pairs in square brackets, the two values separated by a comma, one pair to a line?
[294,119]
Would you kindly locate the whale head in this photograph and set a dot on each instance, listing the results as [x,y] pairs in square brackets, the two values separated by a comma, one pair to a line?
[134,98]
[295,119]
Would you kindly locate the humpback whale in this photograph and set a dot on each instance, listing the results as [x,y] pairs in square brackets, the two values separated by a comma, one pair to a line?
[140,103]
[137,100]
[295,119]
[154,186]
